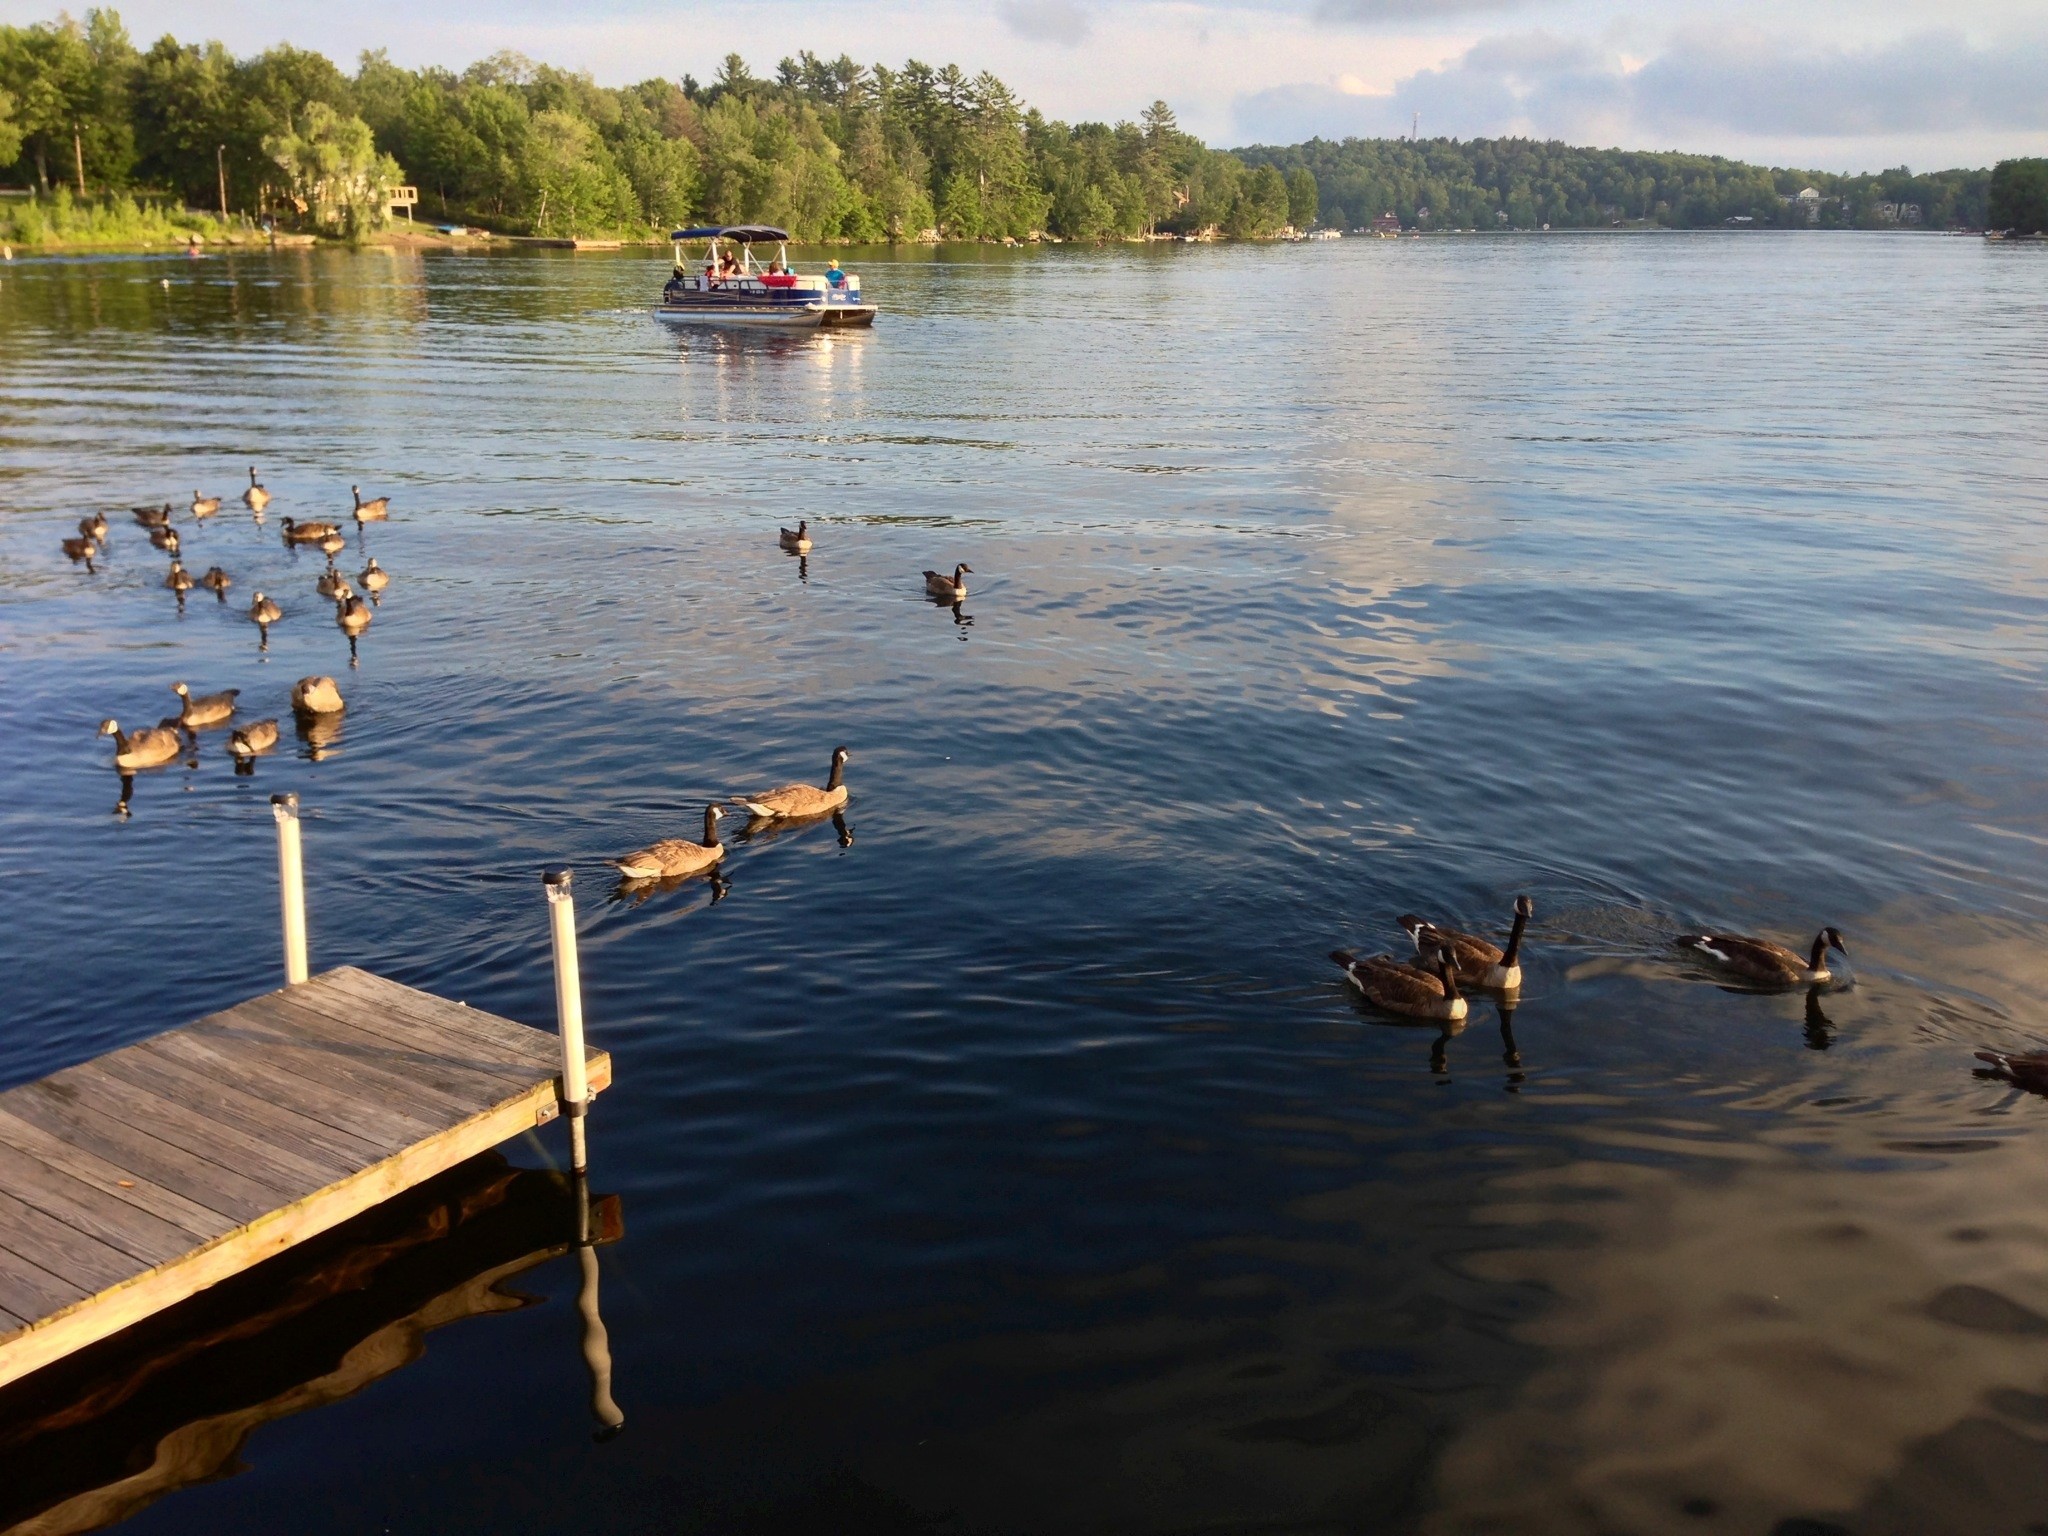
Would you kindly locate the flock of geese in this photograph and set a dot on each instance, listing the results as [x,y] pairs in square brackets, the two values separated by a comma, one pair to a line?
[1428,985]
[314,699]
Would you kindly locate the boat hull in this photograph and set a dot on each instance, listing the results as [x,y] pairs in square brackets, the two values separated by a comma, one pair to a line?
[783,317]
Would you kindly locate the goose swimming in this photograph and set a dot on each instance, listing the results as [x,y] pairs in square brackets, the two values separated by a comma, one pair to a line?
[1479,963]
[795,800]
[1405,989]
[674,857]
[952,588]
[1766,963]
[255,498]
[207,709]
[144,748]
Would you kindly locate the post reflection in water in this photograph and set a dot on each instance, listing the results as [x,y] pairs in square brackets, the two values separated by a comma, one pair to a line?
[170,1403]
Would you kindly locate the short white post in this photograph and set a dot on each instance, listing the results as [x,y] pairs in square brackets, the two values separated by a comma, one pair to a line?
[291,881]
[569,1011]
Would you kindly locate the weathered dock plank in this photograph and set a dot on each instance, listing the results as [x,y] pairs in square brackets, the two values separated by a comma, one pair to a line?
[133,1181]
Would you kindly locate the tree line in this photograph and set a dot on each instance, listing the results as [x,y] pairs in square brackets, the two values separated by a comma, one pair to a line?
[830,149]
[1527,183]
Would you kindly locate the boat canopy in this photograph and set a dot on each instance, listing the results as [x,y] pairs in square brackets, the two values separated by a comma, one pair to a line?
[741,232]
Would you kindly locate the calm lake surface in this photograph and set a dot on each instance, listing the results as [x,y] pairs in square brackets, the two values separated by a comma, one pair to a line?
[1022,1165]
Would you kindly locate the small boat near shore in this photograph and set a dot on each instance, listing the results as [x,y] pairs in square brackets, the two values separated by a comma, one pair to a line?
[730,288]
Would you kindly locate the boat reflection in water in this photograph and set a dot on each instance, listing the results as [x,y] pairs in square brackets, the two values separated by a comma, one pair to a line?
[105,1433]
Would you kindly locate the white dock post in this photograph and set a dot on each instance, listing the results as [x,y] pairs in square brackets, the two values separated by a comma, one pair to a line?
[291,881]
[569,1011]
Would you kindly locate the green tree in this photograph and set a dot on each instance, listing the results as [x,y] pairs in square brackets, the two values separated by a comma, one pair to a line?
[1303,203]
[334,171]
[2019,196]
[572,183]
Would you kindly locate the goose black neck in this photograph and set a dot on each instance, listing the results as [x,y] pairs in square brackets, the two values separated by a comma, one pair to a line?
[1820,948]
[1514,949]
[838,773]
[710,827]
[1447,973]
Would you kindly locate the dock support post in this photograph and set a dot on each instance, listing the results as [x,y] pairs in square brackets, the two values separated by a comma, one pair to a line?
[291,880]
[569,1011]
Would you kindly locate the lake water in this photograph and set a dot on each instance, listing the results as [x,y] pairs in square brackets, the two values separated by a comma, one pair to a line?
[1021,1164]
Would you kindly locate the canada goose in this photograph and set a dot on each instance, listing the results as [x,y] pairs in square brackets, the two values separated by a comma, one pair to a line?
[207,709]
[217,581]
[153,517]
[180,580]
[2028,1071]
[144,748]
[260,736]
[797,541]
[370,511]
[1760,960]
[165,539]
[1405,989]
[332,545]
[1479,963]
[204,506]
[263,613]
[333,584]
[306,533]
[255,498]
[793,800]
[673,857]
[951,588]
[94,527]
[316,696]
[80,548]
[351,613]
[374,578]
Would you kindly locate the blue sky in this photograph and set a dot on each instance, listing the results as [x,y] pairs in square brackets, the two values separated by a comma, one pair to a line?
[1797,82]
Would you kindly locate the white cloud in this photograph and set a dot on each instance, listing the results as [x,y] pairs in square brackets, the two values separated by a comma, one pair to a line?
[1047,21]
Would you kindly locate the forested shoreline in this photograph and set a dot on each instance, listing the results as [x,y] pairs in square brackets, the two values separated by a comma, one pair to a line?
[108,138]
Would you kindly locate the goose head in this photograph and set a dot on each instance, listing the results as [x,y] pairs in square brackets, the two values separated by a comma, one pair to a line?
[110,728]
[1524,907]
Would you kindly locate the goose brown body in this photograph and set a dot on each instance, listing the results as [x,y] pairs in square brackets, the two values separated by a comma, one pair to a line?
[144,748]
[153,517]
[316,696]
[251,739]
[370,511]
[306,533]
[204,506]
[792,801]
[255,498]
[352,614]
[94,527]
[2028,1070]
[952,588]
[179,580]
[80,548]
[333,584]
[1405,989]
[165,539]
[1480,963]
[798,539]
[674,856]
[374,577]
[217,580]
[1765,963]
[207,709]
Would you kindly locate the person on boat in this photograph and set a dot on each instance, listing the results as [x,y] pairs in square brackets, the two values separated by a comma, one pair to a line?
[731,266]
[834,276]
[776,267]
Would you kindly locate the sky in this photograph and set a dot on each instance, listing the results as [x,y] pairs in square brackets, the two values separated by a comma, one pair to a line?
[1812,83]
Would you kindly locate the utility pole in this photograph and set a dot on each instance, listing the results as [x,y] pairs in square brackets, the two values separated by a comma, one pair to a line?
[220,165]
[1415,133]
[78,157]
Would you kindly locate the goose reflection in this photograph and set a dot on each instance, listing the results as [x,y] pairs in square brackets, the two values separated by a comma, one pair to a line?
[1510,1053]
[1820,1029]
[637,889]
[761,829]
[318,734]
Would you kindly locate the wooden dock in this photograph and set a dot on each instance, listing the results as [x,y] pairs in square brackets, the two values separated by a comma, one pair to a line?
[133,1181]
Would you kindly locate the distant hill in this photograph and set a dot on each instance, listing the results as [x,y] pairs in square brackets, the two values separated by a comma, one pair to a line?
[1526,183]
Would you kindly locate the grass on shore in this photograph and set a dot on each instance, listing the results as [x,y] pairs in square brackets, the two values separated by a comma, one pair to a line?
[62,220]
